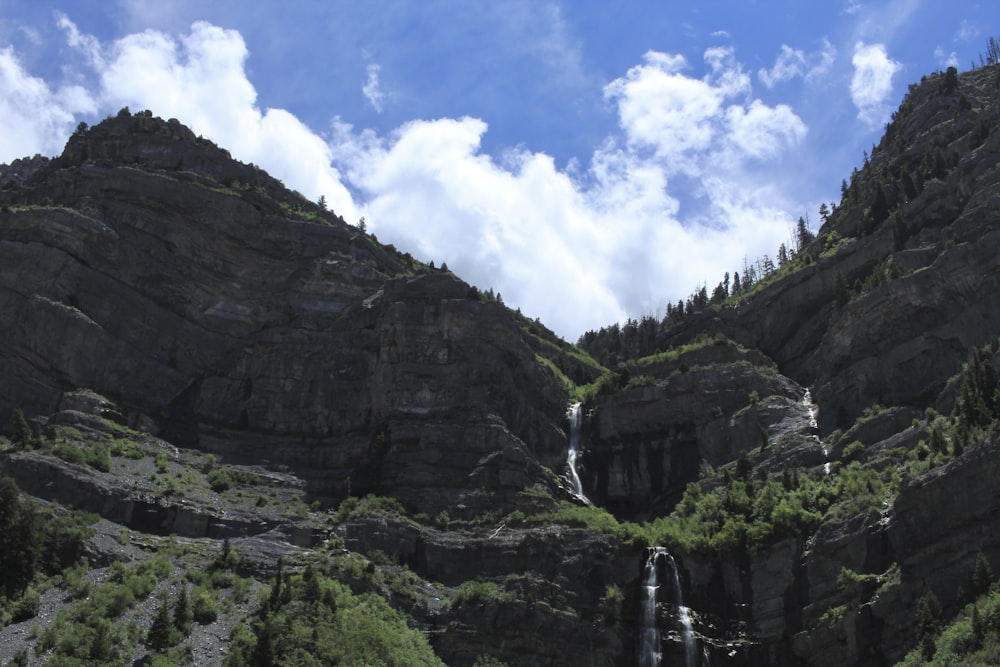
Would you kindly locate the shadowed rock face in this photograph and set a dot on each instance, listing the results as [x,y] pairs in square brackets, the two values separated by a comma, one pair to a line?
[227,313]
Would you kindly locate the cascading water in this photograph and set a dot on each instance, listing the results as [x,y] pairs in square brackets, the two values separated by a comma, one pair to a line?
[649,636]
[684,615]
[575,416]
[814,426]
[650,650]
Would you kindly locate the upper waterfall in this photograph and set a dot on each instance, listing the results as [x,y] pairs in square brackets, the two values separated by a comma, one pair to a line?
[575,416]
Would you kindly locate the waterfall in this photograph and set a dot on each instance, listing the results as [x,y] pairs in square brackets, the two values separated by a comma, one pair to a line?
[814,426]
[575,416]
[650,650]
[649,636]
[684,615]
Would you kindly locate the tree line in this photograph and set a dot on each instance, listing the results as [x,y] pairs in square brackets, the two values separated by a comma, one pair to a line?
[641,337]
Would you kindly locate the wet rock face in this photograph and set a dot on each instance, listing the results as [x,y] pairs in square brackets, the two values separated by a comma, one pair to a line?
[708,406]
[206,300]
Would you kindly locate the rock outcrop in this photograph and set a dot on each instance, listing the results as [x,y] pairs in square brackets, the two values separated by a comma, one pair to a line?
[222,311]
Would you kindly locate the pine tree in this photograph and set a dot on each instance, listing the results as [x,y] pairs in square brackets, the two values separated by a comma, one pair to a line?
[982,575]
[928,622]
[782,255]
[182,611]
[101,647]
[310,584]
[21,551]
[158,637]
[264,651]
[803,235]
[21,436]
[277,594]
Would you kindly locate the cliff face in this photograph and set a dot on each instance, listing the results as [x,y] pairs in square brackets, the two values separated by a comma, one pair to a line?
[166,303]
[877,317]
[224,312]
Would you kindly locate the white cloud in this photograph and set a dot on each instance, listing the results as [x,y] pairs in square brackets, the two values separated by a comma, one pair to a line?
[372,89]
[966,31]
[200,79]
[871,84]
[792,63]
[586,249]
[945,59]
[824,60]
[762,132]
[35,119]
[678,196]
[89,45]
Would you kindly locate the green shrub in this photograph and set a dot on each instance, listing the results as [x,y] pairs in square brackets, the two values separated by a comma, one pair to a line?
[313,620]
[203,608]
[852,451]
[354,507]
[476,592]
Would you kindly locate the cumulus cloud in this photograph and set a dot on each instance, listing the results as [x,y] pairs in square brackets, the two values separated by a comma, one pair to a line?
[200,78]
[584,249]
[35,118]
[677,196]
[871,84]
[372,89]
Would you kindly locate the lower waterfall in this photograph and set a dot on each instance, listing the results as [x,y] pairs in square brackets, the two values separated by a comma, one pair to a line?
[650,648]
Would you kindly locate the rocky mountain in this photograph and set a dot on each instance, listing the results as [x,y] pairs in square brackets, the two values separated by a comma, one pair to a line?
[800,473]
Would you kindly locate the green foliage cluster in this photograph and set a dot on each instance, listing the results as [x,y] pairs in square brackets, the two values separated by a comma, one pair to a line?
[738,515]
[97,455]
[89,633]
[309,618]
[640,381]
[972,638]
[35,543]
[479,591]
[978,407]
[594,519]
[746,514]
[223,479]
[354,507]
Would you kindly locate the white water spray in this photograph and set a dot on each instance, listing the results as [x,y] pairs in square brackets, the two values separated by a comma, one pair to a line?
[684,615]
[814,426]
[650,650]
[575,416]
[649,636]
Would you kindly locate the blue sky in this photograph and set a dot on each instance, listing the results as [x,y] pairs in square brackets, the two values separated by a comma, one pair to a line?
[589,160]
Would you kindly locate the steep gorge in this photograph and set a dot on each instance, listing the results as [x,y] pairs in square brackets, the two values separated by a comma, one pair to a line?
[159,292]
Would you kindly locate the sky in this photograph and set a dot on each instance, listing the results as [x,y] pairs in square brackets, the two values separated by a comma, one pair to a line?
[591,161]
